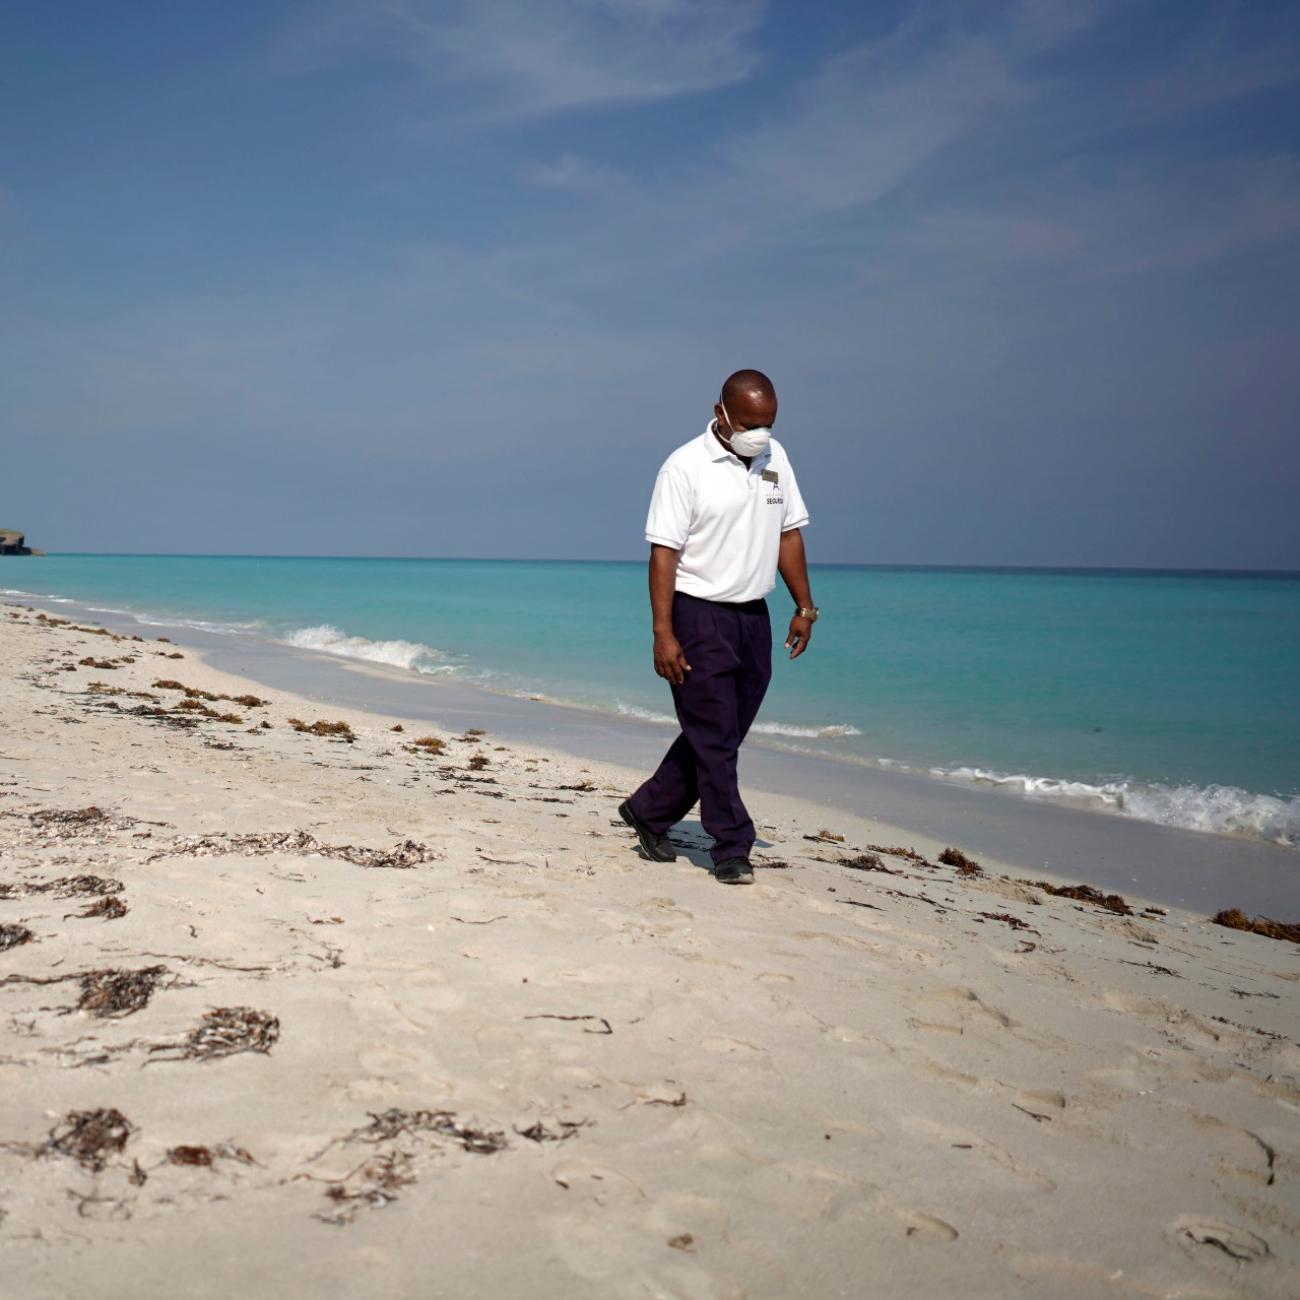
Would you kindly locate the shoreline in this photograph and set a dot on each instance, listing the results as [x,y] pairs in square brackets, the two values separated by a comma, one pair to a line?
[403,1004]
[1201,871]
[1240,785]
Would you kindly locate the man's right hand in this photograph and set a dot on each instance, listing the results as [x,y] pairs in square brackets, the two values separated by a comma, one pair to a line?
[670,659]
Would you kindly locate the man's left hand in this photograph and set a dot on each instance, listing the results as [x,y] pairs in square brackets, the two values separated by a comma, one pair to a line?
[799,636]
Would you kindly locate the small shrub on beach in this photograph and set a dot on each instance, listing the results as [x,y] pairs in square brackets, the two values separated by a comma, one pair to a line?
[1233,918]
[430,744]
[478,762]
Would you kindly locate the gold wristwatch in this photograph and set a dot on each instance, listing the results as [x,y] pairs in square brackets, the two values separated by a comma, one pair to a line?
[810,613]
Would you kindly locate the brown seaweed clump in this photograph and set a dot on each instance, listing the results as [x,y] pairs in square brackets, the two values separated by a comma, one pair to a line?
[191,705]
[375,1184]
[321,727]
[403,854]
[13,935]
[112,994]
[867,862]
[478,762]
[110,907]
[68,817]
[225,1031]
[430,744]
[392,1123]
[79,886]
[1234,918]
[965,866]
[1086,894]
[106,665]
[205,1157]
[90,1136]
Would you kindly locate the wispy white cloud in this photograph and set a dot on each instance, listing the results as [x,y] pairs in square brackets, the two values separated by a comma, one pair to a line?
[574,174]
[505,59]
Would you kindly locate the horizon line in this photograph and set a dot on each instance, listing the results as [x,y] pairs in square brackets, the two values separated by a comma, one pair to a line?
[823,564]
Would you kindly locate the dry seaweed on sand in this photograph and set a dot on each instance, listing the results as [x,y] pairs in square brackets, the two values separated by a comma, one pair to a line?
[374,1183]
[478,762]
[322,727]
[110,907]
[1085,894]
[204,711]
[112,994]
[550,1015]
[164,716]
[867,862]
[429,744]
[13,935]
[225,1031]
[89,1136]
[897,851]
[78,886]
[402,855]
[200,1156]
[951,857]
[565,1129]
[67,817]
[204,1157]
[1008,919]
[386,1125]
[824,836]
[1233,918]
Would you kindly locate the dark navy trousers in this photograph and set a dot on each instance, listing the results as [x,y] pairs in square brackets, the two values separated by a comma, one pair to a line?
[729,648]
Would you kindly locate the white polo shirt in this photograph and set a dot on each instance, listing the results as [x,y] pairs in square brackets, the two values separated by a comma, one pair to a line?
[725,520]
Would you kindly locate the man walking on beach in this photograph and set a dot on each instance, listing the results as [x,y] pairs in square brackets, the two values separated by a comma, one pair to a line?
[724,519]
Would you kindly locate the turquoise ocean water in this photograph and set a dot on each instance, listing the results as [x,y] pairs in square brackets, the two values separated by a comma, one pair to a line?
[1171,697]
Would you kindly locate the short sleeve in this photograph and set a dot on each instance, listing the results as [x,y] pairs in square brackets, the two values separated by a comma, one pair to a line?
[796,513]
[671,508]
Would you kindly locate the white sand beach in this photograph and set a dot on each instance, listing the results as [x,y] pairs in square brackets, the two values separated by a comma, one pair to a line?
[370,1019]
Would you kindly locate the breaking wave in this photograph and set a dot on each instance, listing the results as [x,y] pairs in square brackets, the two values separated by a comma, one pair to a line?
[1220,809]
[412,655]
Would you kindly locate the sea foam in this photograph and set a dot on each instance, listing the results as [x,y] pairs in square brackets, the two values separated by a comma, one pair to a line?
[762,728]
[412,655]
[1220,809]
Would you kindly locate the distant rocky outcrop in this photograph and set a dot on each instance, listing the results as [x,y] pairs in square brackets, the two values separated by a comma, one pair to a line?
[12,542]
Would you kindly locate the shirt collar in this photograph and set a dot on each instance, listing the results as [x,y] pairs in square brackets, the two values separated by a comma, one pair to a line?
[716,451]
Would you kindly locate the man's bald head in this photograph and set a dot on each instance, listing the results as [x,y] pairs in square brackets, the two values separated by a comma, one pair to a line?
[748,384]
[749,399]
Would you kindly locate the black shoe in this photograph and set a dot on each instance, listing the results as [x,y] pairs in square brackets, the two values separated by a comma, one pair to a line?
[734,871]
[658,848]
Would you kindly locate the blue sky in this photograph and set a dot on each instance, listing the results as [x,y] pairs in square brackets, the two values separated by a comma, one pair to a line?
[452,278]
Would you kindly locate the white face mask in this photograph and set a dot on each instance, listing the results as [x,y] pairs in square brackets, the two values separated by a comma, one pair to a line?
[749,442]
